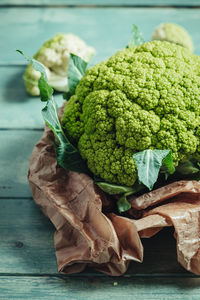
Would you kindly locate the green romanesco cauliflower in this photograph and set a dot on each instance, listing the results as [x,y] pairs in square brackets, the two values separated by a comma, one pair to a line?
[173,33]
[146,97]
[54,55]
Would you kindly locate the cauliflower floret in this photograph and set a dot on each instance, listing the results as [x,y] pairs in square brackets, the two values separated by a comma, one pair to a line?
[146,97]
[54,55]
[173,33]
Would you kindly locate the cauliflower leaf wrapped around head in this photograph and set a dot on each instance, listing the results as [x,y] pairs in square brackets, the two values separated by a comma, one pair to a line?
[54,55]
[146,97]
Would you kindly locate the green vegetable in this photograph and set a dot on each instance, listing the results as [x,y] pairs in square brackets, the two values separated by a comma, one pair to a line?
[130,118]
[173,33]
[145,97]
[45,89]
[54,55]
[149,163]
[113,189]
[188,167]
[36,64]
[76,69]
[137,37]
[67,155]
[123,204]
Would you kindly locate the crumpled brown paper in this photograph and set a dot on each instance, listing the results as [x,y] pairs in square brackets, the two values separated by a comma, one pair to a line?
[108,242]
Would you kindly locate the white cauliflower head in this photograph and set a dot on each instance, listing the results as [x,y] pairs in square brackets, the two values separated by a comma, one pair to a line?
[54,55]
[173,33]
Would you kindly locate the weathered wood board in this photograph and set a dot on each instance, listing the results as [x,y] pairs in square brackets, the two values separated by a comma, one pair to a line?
[69,288]
[16,148]
[188,3]
[107,34]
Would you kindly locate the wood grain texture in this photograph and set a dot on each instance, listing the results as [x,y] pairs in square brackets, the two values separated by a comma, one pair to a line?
[26,239]
[27,245]
[79,288]
[107,29]
[102,2]
[16,147]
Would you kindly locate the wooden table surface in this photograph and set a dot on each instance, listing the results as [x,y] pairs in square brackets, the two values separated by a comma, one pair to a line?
[27,259]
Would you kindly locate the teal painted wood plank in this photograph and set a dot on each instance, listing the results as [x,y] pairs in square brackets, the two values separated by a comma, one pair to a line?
[27,245]
[16,147]
[26,239]
[107,29]
[99,288]
[18,109]
[102,2]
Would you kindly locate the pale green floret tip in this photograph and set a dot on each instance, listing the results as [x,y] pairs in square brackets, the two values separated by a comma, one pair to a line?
[173,33]
[147,97]
[54,55]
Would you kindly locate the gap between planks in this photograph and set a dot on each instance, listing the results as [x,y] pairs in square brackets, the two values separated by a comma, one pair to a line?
[96,274]
[22,129]
[98,6]
[16,198]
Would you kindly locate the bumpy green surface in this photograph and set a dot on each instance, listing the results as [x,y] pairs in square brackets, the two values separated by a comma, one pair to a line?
[140,98]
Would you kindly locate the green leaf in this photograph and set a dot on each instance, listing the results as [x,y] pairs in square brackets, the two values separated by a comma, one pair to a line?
[66,95]
[67,155]
[46,90]
[76,69]
[137,37]
[123,204]
[168,162]
[39,67]
[149,163]
[187,168]
[167,167]
[114,189]
[36,64]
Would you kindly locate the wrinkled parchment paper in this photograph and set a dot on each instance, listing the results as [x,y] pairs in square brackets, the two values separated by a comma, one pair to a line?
[106,241]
